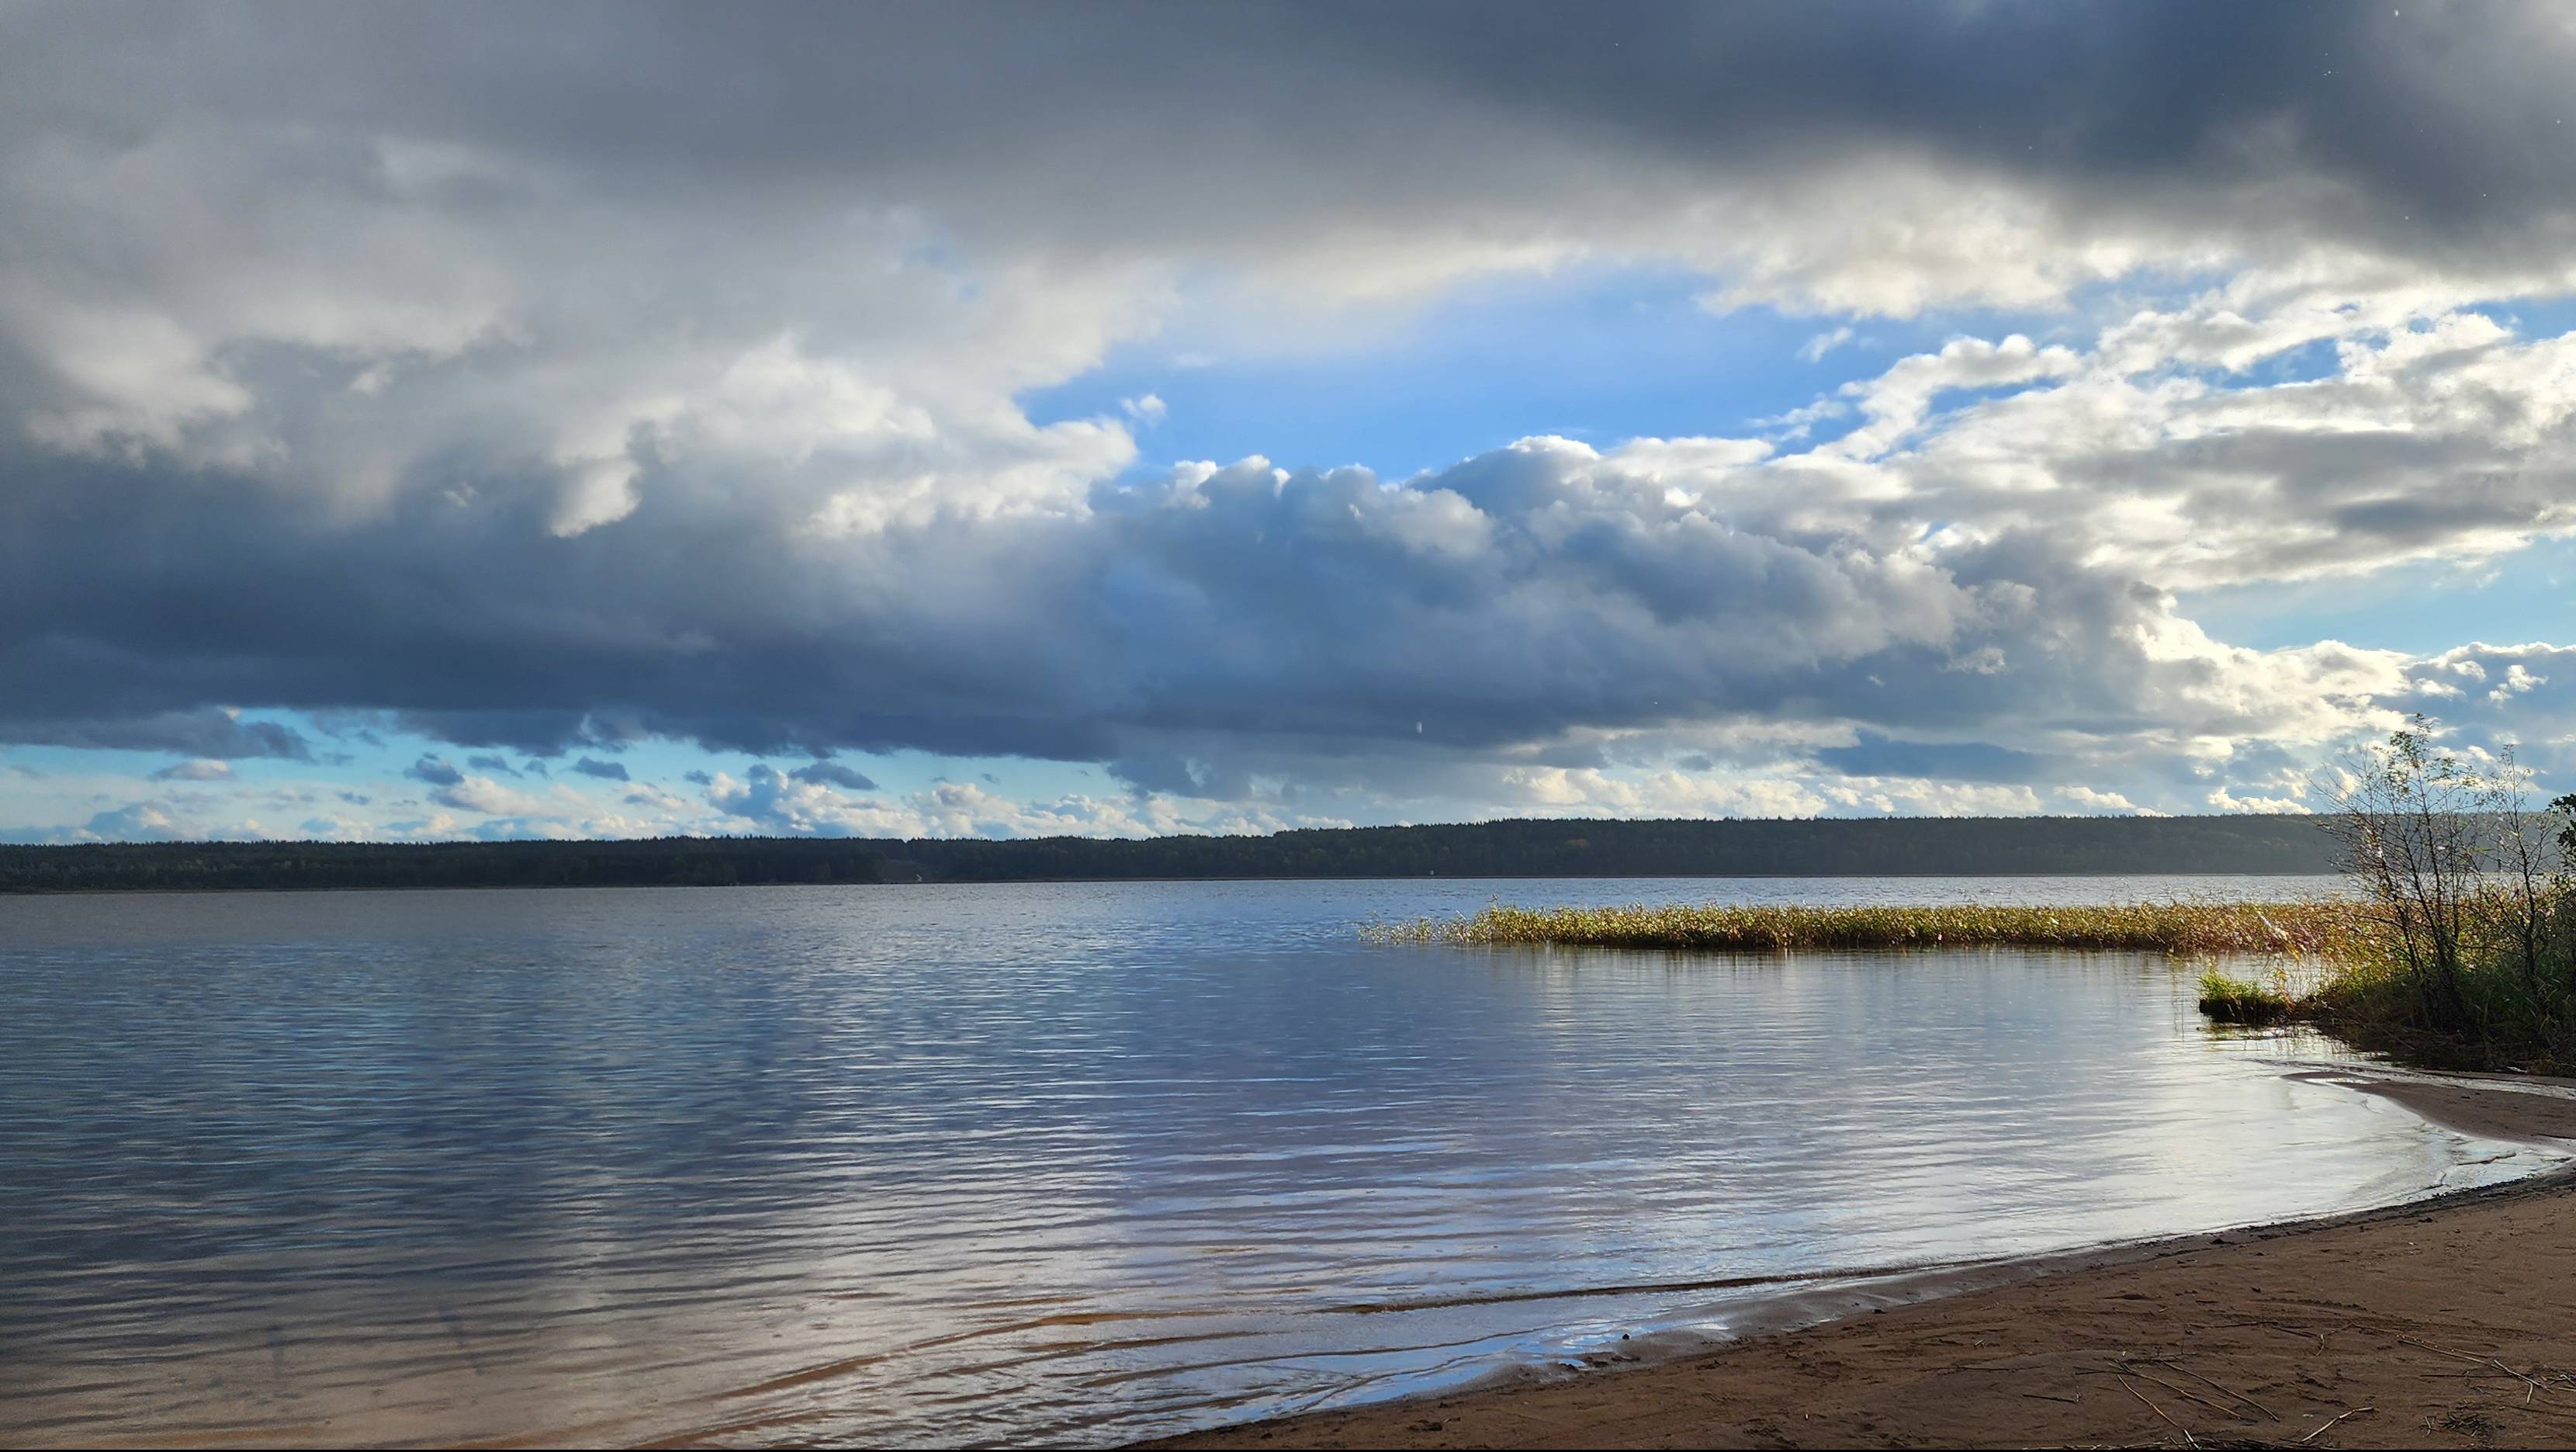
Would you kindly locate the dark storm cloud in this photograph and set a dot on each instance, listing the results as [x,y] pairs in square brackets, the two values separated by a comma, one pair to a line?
[434,771]
[194,730]
[604,770]
[2433,132]
[539,732]
[1316,615]
[832,773]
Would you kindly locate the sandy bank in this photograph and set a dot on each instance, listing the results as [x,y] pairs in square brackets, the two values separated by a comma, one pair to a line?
[2445,1323]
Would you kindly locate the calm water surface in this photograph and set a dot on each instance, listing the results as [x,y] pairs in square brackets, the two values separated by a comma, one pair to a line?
[1077,1163]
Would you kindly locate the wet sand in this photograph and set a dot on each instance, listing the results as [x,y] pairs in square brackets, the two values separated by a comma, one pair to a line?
[2447,1323]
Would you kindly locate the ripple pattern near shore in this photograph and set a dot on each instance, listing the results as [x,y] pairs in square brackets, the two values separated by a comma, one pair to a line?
[1078,1163]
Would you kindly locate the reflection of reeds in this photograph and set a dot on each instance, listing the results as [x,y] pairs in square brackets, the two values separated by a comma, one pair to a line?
[2324,929]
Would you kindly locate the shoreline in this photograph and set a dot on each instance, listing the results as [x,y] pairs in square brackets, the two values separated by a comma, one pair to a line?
[2252,1336]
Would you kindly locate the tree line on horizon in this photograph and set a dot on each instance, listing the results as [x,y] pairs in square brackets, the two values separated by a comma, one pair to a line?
[639,862]
[1581,847]
[1806,847]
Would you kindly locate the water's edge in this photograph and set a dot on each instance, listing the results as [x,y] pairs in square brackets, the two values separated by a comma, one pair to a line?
[1805,1303]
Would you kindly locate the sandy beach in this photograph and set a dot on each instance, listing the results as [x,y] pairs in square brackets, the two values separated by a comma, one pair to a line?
[2442,1323]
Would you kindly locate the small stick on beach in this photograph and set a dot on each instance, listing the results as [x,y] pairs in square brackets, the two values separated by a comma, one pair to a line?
[2329,1426]
[2531,1384]
[2184,1394]
[2167,1361]
[2188,1439]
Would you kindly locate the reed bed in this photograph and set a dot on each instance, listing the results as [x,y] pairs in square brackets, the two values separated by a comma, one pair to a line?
[2318,929]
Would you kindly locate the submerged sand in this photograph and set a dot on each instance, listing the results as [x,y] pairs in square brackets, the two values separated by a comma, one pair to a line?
[2448,1323]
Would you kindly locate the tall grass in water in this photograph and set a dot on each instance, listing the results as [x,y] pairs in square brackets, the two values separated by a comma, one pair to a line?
[2233,1000]
[2322,929]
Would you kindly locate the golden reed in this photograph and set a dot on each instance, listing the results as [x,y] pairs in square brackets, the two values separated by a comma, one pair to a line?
[2321,929]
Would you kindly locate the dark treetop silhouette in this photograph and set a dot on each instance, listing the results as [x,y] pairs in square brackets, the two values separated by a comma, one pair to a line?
[1968,846]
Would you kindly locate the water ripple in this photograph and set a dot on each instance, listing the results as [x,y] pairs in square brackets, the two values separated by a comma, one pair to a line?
[1080,1163]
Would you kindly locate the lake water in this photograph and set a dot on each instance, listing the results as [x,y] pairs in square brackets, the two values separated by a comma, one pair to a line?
[1078,1163]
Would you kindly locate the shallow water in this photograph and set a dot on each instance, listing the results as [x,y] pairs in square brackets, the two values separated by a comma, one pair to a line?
[1077,1162]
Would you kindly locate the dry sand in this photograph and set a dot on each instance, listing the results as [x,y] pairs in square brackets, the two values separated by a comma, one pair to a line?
[2447,1323]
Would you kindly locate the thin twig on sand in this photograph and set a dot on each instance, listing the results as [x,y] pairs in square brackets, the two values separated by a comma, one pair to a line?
[2532,1385]
[2167,1361]
[2329,1426]
[2188,1439]
[2184,1393]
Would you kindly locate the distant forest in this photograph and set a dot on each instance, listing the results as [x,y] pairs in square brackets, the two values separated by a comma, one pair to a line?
[1877,847]
[653,862]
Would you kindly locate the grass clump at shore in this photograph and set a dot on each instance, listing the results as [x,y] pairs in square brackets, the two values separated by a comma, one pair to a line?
[2324,929]
[2233,1000]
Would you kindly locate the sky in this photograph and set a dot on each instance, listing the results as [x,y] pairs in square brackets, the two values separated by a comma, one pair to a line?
[454,421]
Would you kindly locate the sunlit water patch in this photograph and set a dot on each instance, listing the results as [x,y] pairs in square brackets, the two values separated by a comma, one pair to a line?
[1078,1163]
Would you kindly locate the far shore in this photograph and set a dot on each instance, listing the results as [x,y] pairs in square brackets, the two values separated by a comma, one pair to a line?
[1517,848]
[2443,1322]
[2012,876]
